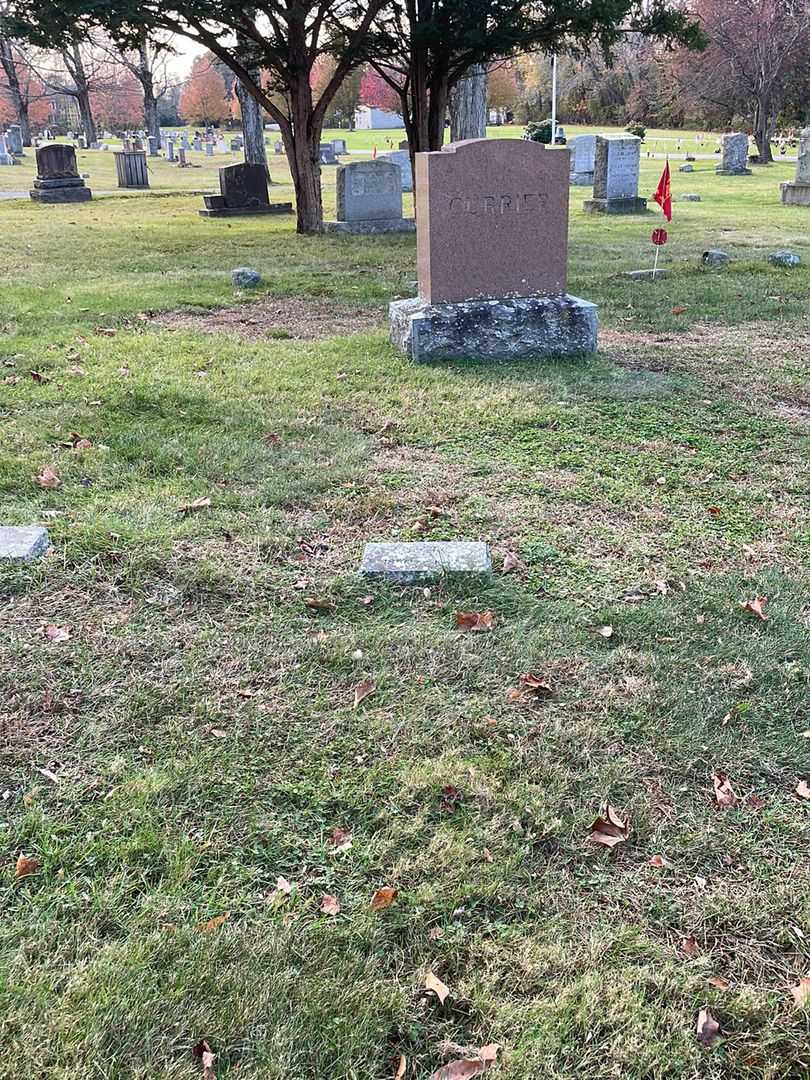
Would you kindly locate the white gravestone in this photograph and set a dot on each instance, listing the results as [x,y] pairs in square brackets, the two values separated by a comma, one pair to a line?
[369,199]
[583,151]
[615,177]
[797,192]
[735,155]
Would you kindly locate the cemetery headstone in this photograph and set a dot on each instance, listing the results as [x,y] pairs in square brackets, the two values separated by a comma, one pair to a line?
[583,151]
[279,147]
[339,146]
[58,178]
[327,154]
[734,161]
[197,142]
[23,543]
[369,199]
[402,159]
[209,149]
[153,146]
[170,150]
[243,191]
[222,146]
[788,260]
[686,168]
[181,158]
[5,156]
[424,561]
[14,141]
[130,168]
[615,176]
[186,145]
[237,143]
[404,144]
[492,256]
[797,192]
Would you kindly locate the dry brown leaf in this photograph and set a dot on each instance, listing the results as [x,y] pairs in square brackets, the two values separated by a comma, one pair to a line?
[690,946]
[202,503]
[340,839]
[26,866]
[718,983]
[707,1029]
[330,905]
[679,310]
[363,690]
[437,986]
[474,620]
[467,1068]
[803,789]
[212,924]
[106,331]
[401,1068]
[56,633]
[535,686]
[714,511]
[755,606]
[48,478]
[317,604]
[203,1053]
[609,830]
[511,563]
[659,861]
[383,898]
[488,857]
[723,791]
[436,933]
[755,802]
[801,991]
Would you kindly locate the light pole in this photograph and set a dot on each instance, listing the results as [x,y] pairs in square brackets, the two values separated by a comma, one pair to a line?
[554,100]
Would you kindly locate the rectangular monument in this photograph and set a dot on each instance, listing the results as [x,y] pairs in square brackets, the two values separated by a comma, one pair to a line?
[369,199]
[797,192]
[402,158]
[243,191]
[583,151]
[734,161]
[615,176]
[492,254]
[327,154]
[130,168]
[14,141]
[58,179]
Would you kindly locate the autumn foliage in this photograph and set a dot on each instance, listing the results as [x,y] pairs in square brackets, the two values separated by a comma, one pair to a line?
[204,97]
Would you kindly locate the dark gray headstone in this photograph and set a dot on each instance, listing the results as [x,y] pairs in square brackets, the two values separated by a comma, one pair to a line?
[244,185]
[56,161]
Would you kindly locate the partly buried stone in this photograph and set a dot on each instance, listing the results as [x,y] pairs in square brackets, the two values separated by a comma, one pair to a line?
[686,168]
[425,560]
[715,258]
[653,274]
[786,259]
[689,197]
[244,277]
[23,543]
[514,328]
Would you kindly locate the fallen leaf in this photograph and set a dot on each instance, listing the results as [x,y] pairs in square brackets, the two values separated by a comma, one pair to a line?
[755,607]
[605,631]
[317,604]
[340,839]
[212,924]
[202,503]
[48,478]
[219,733]
[436,933]
[609,830]
[487,855]
[362,691]
[38,377]
[474,620]
[330,905]
[714,511]
[437,986]
[690,946]
[679,310]
[383,898]
[366,601]
[401,1068]
[718,983]
[801,991]
[723,791]
[451,797]
[511,562]
[202,1052]
[26,865]
[700,619]
[803,789]
[467,1068]
[106,331]
[707,1029]
[532,686]
[755,802]
[283,886]
[659,861]
[55,633]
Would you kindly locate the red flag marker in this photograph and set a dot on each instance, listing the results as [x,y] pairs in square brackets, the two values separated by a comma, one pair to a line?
[663,193]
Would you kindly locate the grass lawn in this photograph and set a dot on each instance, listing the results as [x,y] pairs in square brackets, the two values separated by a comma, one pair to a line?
[178,736]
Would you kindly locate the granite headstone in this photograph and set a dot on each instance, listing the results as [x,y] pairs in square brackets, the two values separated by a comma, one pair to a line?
[243,191]
[369,199]
[58,179]
[615,176]
[583,151]
[797,192]
[734,160]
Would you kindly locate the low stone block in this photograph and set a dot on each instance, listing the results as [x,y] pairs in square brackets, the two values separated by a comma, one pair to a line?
[647,275]
[615,206]
[714,258]
[686,168]
[786,259]
[581,179]
[509,329]
[425,560]
[720,171]
[62,195]
[689,198]
[23,543]
[245,277]
[795,193]
[373,225]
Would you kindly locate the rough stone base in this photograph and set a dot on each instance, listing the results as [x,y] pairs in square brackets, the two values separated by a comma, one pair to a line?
[615,206]
[581,179]
[720,171]
[23,543]
[380,225]
[795,193]
[248,211]
[508,329]
[62,195]
[426,560]
[647,275]
[689,198]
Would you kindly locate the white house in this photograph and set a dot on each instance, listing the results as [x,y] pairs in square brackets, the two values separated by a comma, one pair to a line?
[366,118]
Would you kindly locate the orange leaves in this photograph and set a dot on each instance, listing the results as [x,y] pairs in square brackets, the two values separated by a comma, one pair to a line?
[755,606]
[315,603]
[215,923]
[26,866]
[707,1029]
[48,478]
[690,946]
[340,839]
[609,830]
[467,1068]
[723,791]
[475,621]
[383,898]
[440,989]
[532,688]
[203,1053]
[363,690]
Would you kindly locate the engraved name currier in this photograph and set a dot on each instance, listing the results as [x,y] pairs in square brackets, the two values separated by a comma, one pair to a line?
[498,204]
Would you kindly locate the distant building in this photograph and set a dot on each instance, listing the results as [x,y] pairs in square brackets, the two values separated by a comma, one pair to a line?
[366,118]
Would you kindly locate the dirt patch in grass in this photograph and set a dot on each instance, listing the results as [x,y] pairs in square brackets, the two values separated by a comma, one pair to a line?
[283,317]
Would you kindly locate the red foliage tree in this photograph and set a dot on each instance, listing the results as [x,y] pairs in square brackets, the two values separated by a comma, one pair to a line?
[204,99]
[119,102]
[377,93]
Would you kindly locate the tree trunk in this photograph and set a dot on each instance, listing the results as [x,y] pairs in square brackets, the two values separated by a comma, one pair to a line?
[468,105]
[762,131]
[252,127]
[302,141]
[145,78]
[19,102]
[74,64]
